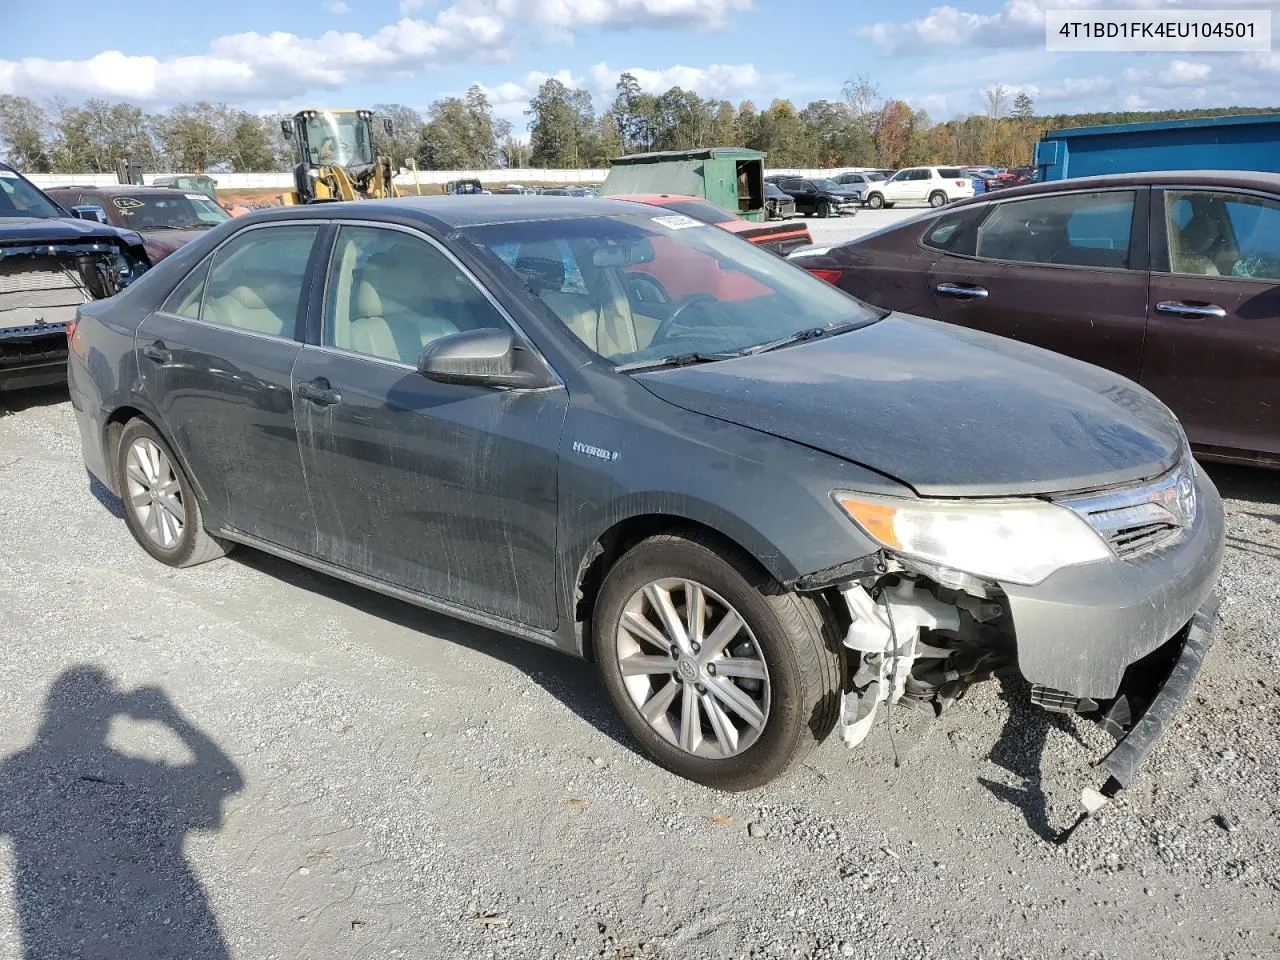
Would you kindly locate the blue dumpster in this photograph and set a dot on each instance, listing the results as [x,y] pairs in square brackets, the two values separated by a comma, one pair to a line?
[1206,143]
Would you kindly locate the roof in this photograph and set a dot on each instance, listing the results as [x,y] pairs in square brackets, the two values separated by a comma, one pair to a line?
[471,210]
[1234,120]
[701,153]
[1246,179]
[112,189]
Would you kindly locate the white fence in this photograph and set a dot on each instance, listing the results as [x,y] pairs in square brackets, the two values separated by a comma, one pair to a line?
[280,181]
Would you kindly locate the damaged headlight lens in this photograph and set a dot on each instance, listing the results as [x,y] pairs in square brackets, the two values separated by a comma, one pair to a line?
[1017,541]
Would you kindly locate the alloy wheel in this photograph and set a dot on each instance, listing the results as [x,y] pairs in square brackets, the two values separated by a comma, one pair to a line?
[155,494]
[693,668]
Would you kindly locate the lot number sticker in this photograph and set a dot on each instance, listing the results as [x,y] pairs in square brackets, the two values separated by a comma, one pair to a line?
[677,221]
[8,174]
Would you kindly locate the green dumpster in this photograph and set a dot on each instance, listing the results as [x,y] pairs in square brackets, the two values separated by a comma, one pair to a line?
[730,177]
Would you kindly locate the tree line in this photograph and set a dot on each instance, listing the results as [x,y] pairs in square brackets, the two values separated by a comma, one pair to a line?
[565,131]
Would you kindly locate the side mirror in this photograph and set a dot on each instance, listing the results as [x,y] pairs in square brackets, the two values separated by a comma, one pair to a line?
[388,126]
[488,357]
[286,128]
[89,211]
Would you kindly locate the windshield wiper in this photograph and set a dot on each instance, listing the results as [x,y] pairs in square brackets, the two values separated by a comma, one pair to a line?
[813,333]
[676,360]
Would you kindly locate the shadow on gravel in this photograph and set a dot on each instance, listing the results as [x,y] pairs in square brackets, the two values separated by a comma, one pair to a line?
[15,401]
[573,682]
[1020,750]
[1251,484]
[114,505]
[97,835]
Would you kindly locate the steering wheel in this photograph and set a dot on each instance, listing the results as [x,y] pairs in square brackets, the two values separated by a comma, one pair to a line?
[693,300]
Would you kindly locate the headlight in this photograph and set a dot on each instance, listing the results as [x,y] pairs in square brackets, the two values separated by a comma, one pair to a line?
[1020,541]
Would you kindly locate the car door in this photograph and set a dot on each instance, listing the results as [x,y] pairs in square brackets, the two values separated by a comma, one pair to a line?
[1213,334]
[447,490]
[1065,271]
[217,361]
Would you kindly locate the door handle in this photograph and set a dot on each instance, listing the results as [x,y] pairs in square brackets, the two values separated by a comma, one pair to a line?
[1190,310]
[157,351]
[319,391]
[961,291]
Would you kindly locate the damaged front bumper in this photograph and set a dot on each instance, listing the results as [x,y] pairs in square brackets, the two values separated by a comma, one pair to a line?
[1117,641]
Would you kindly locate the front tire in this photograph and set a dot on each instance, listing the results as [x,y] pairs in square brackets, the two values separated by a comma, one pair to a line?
[722,676]
[875,201]
[160,506]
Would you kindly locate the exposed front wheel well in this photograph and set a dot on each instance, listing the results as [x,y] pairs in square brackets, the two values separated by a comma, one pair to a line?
[622,536]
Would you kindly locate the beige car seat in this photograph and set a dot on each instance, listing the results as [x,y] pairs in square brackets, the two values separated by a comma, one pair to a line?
[244,308]
[604,323]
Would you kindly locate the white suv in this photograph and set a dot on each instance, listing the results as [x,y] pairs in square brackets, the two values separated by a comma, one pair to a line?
[936,186]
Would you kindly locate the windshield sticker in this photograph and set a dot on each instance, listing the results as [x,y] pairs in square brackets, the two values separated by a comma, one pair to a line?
[127,203]
[8,174]
[195,196]
[677,221]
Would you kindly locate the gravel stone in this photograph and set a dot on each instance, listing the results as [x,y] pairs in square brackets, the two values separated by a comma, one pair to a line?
[421,770]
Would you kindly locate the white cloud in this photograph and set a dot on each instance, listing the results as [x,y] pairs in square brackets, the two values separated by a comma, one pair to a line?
[281,65]
[337,7]
[719,81]
[1019,23]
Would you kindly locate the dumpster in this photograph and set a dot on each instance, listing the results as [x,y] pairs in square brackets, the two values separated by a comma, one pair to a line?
[1203,143]
[730,177]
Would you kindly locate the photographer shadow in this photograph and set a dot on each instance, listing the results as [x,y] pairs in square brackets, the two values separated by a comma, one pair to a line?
[97,834]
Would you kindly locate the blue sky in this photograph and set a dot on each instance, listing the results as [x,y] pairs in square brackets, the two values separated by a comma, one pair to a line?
[280,55]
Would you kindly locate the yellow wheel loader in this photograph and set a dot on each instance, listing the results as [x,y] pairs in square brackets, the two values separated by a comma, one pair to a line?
[337,158]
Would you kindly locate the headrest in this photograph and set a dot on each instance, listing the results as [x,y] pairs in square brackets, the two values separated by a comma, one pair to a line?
[368,303]
[247,297]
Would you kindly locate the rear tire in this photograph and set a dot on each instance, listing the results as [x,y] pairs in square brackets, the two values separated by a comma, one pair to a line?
[777,679]
[875,201]
[937,199]
[161,509]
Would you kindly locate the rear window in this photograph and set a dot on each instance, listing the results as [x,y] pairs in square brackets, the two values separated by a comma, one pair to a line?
[951,173]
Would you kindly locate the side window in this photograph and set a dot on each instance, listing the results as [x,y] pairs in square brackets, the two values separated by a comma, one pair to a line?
[952,232]
[389,294]
[185,299]
[1076,229]
[1223,235]
[256,280]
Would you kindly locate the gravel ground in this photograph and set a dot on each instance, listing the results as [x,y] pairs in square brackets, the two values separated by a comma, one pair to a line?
[320,772]
[853,225]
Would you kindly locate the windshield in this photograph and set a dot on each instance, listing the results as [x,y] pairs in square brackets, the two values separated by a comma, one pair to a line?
[640,288]
[339,139]
[168,211]
[18,198]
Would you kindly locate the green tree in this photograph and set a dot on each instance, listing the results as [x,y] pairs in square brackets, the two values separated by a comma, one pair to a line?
[636,115]
[748,124]
[781,136]
[563,131]
[1024,108]
[24,128]
[246,141]
[406,137]
[193,136]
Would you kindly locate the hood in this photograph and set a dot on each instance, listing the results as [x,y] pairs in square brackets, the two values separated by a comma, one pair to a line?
[48,230]
[161,243]
[945,410]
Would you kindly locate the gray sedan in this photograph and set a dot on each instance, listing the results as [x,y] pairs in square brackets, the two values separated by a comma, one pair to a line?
[763,507]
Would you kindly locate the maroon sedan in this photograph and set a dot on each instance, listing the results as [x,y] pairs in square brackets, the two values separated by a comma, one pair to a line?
[165,216]
[1171,279]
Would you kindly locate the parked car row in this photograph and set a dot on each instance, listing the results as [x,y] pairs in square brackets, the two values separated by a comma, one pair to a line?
[846,192]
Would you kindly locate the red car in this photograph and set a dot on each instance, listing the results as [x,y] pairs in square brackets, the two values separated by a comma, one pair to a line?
[1171,279]
[780,238]
[166,217]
